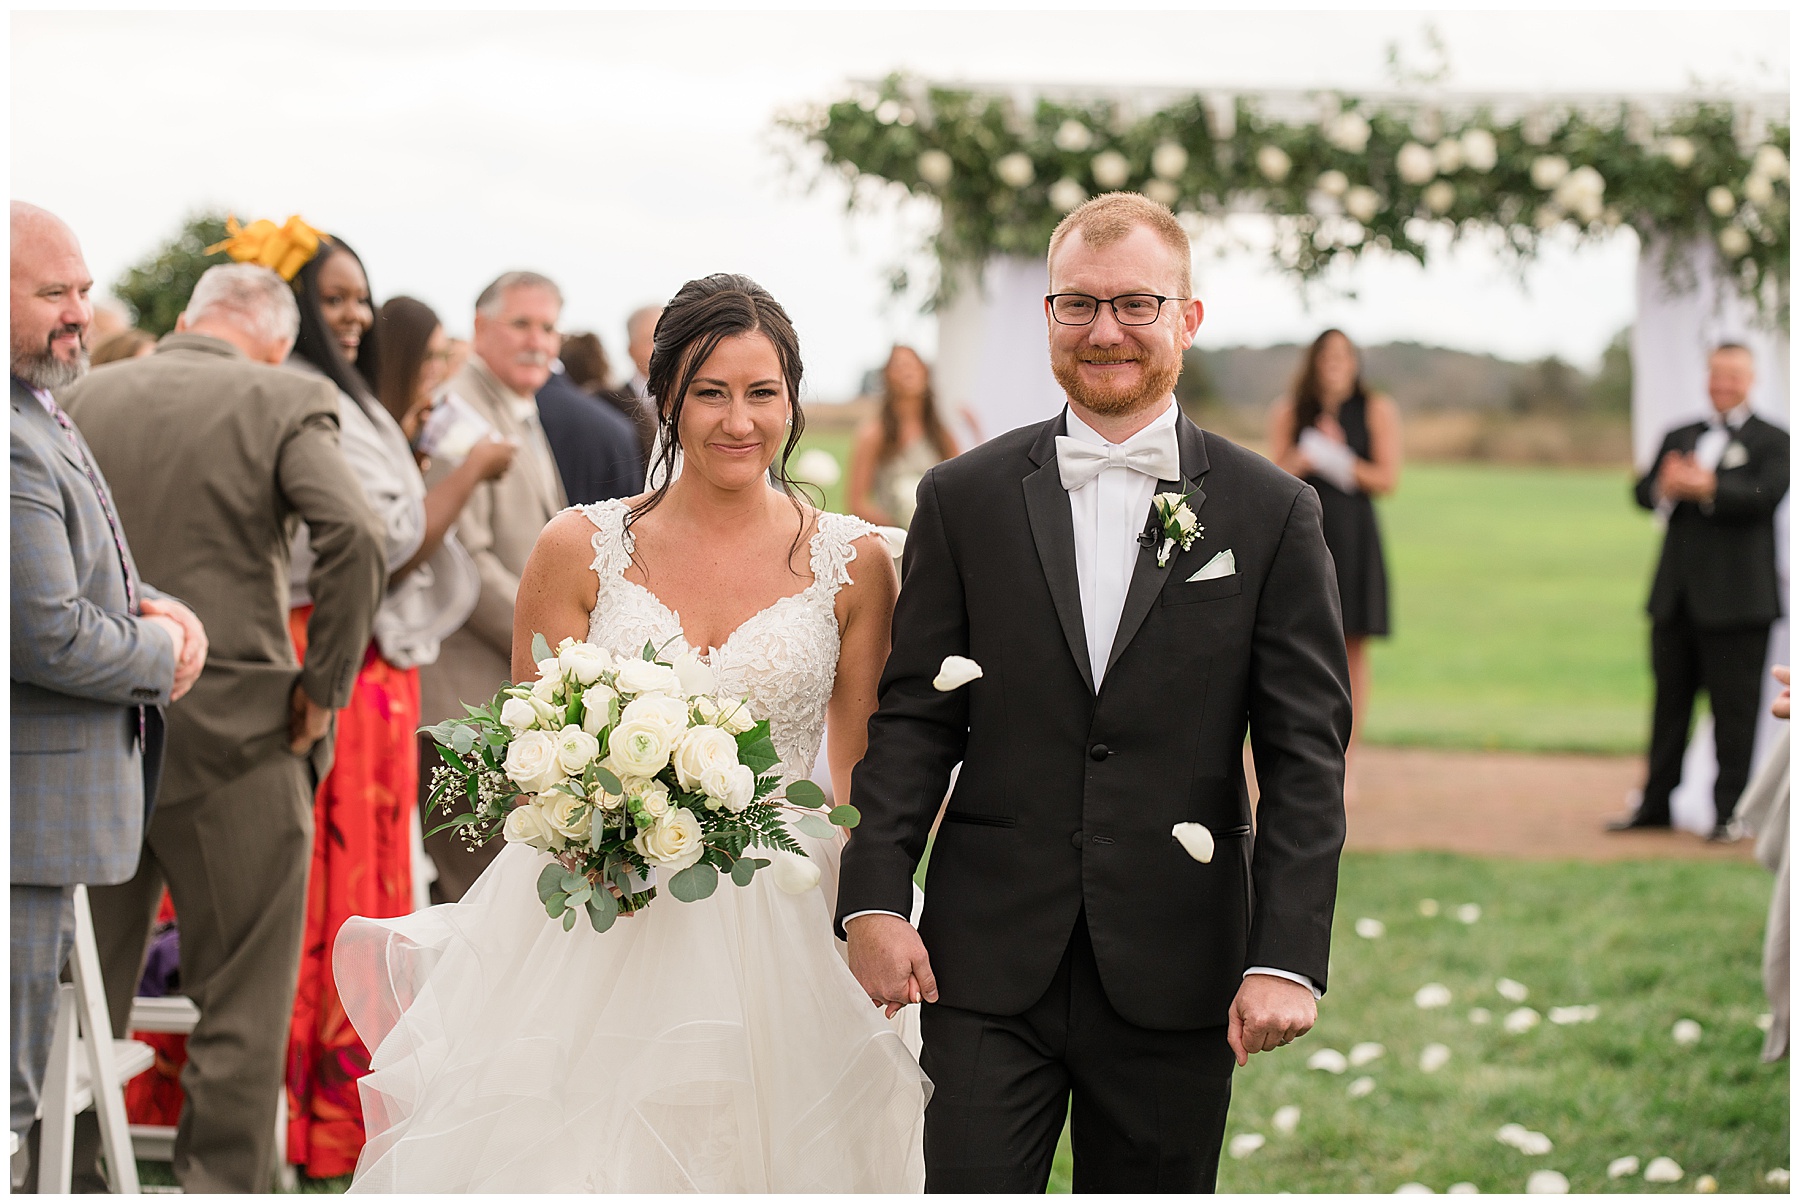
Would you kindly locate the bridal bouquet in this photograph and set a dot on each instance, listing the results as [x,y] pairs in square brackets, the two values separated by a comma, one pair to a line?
[623,769]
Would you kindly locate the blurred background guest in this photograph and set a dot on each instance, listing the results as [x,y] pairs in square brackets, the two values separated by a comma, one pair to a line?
[515,341]
[897,446]
[457,351]
[1764,811]
[125,344]
[110,318]
[1345,443]
[598,454]
[584,359]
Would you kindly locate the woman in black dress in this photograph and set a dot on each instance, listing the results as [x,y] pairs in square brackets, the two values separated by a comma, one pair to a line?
[1345,443]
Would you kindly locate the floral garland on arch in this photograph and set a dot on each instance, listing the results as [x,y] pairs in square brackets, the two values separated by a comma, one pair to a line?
[1358,176]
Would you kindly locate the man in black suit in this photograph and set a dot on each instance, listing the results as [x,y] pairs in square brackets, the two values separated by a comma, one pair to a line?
[595,446]
[1715,593]
[1076,944]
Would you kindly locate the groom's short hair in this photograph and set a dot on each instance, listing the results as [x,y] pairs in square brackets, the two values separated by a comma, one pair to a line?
[1110,216]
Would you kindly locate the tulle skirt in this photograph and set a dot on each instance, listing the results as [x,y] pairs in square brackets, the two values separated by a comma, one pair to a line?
[718,1046]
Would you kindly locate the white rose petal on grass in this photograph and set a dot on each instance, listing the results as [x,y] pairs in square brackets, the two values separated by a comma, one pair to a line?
[1533,1143]
[1286,1119]
[1413,1189]
[1663,1170]
[1547,1183]
[1511,990]
[1370,930]
[1432,995]
[1360,1087]
[1618,1168]
[1428,907]
[1581,1013]
[1364,1052]
[1468,913]
[955,672]
[1521,1020]
[1465,1188]
[794,874]
[1329,1060]
[1197,839]
[1246,1144]
[1706,1185]
[1480,1016]
[1686,1032]
[1509,1134]
[1434,1057]
[1777,1177]
[1766,1021]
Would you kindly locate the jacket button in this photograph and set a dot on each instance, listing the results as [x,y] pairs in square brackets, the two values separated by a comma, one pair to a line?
[1099,752]
[1075,840]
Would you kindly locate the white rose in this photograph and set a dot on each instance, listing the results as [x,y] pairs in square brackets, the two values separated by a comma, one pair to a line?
[674,843]
[1547,171]
[531,762]
[703,748]
[518,715]
[734,786]
[1333,183]
[1362,203]
[1163,193]
[1066,194]
[1073,137]
[1273,163]
[527,824]
[1734,240]
[595,702]
[653,798]
[584,662]
[658,710]
[1185,521]
[640,748]
[935,167]
[1439,196]
[1111,169]
[1170,159]
[694,675]
[1480,151]
[646,677]
[575,750]
[1679,151]
[1015,170]
[955,672]
[1415,164]
[1720,201]
[1349,132]
[794,874]
[736,717]
[560,811]
[1448,156]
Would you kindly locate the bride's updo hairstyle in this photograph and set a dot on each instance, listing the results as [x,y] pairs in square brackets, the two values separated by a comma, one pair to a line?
[695,321]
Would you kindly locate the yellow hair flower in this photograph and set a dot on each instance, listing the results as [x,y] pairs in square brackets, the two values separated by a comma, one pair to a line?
[283,249]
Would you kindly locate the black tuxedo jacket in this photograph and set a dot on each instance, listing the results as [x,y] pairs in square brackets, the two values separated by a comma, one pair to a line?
[1066,798]
[596,448]
[1719,559]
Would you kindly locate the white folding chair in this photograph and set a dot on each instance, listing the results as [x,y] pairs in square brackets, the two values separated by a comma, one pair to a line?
[88,1069]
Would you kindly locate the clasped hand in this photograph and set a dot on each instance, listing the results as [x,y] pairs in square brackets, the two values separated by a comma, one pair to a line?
[889,960]
[189,638]
[1680,478]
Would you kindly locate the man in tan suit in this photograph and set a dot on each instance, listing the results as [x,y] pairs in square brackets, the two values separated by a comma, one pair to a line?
[515,341]
[214,456]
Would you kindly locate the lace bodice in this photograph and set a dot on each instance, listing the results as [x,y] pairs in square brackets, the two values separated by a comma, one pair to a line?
[783,658]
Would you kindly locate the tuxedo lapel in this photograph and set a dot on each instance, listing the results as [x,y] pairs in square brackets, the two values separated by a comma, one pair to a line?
[1053,530]
[1147,577]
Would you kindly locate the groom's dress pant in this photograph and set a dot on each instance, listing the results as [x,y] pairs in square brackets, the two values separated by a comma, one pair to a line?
[1149,1106]
[1727,663]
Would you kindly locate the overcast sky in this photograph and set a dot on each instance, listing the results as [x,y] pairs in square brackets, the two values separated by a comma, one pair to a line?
[625,152]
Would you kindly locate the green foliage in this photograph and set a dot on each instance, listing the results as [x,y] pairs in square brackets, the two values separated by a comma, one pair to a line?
[157,287]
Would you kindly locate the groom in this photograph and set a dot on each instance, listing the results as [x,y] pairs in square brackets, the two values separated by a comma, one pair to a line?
[1070,942]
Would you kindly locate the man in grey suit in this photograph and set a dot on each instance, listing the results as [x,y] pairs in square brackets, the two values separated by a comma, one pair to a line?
[215,454]
[95,650]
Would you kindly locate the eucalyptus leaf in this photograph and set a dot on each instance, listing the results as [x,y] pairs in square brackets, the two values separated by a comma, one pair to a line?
[540,647]
[743,870]
[572,882]
[601,915]
[608,779]
[580,897]
[556,904]
[803,793]
[549,881]
[816,825]
[568,920]
[694,883]
[845,816]
[462,740]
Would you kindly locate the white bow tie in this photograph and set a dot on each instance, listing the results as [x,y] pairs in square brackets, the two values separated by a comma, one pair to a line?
[1152,452]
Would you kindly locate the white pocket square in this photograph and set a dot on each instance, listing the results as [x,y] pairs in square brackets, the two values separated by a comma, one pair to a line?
[1222,565]
[1736,456]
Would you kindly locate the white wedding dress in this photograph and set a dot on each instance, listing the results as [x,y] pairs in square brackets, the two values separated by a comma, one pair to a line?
[717,1046]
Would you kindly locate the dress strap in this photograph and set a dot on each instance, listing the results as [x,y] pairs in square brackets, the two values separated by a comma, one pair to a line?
[833,549]
[611,541]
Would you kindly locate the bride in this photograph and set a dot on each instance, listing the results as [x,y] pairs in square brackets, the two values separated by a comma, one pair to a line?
[713,1046]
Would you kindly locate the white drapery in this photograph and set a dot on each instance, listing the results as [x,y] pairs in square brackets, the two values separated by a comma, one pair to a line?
[1681,316]
[993,358]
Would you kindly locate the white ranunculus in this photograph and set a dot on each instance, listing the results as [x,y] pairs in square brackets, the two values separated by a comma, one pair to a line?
[1770,162]
[1734,240]
[702,748]
[1370,929]
[1364,1052]
[653,798]
[596,703]
[527,824]
[1432,995]
[1439,196]
[1015,170]
[1720,200]
[531,762]
[693,675]
[1333,183]
[1074,137]
[733,786]
[1066,194]
[1169,160]
[816,466]
[955,672]
[1758,190]
[584,662]
[660,711]
[572,817]
[1662,1170]
[1434,1057]
[640,748]
[935,167]
[1196,839]
[1618,1168]
[1686,1032]
[1273,163]
[645,677]
[1547,1183]
[1679,151]
[1286,1119]
[1512,990]
[1362,203]
[1520,1020]
[1245,1144]
[1415,164]
[673,843]
[1480,151]
[518,715]
[1163,192]
[1348,131]
[794,874]
[1111,169]
[1547,171]
[1448,156]
[575,750]
[1329,1060]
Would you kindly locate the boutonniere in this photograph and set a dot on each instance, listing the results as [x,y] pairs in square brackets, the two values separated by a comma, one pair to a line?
[1179,526]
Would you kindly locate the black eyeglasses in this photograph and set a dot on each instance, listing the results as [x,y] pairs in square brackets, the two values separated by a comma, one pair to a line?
[1130,309]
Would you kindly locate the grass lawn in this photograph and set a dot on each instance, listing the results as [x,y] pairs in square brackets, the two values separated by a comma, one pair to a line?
[1648,942]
